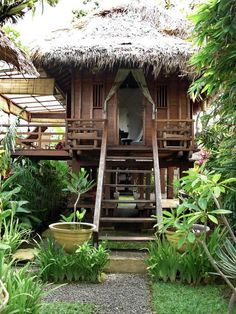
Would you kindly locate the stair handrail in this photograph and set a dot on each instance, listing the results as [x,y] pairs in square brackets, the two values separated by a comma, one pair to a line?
[157,178]
[101,170]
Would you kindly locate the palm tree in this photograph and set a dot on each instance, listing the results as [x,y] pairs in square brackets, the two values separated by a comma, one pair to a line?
[13,10]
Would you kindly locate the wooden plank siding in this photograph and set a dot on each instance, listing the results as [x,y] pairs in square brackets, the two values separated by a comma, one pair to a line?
[82,102]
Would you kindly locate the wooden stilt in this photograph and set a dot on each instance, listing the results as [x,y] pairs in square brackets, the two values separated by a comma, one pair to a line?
[170,179]
[163,186]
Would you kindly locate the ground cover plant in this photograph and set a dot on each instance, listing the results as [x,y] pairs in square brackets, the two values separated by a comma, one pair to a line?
[176,298]
[86,264]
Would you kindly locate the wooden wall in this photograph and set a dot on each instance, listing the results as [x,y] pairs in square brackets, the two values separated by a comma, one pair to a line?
[178,105]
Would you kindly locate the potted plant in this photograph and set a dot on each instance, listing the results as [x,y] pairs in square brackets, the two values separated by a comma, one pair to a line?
[178,229]
[204,188]
[72,232]
[191,218]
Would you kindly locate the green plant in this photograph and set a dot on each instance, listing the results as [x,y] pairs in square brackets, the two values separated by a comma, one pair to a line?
[226,268]
[79,184]
[192,267]
[25,291]
[163,262]
[79,215]
[205,189]
[7,145]
[86,264]
[227,259]
[11,10]
[12,232]
[42,185]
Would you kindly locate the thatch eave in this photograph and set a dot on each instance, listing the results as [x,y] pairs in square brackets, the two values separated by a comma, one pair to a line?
[135,35]
[13,55]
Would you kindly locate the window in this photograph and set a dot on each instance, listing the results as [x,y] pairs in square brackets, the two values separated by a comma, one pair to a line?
[162,96]
[97,95]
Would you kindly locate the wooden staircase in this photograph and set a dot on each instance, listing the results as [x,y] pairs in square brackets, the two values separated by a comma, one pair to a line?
[125,199]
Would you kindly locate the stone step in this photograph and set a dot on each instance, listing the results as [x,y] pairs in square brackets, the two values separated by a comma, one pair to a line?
[126,262]
[127,238]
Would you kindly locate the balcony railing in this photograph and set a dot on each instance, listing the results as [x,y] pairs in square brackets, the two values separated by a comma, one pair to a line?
[84,134]
[78,134]
[38,136]
[175,134]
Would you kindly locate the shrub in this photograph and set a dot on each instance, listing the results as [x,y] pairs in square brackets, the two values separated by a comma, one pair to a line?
[86,264]
[192,267]
[25,291]
[42,186]
[12,232]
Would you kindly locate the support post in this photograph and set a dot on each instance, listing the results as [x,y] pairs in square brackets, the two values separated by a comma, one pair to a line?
[170,179]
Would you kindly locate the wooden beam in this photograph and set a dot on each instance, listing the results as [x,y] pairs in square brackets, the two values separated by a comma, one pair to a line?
[9,107]
[47,116]
[32,86]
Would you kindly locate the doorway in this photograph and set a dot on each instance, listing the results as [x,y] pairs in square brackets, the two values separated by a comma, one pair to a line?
[131,112]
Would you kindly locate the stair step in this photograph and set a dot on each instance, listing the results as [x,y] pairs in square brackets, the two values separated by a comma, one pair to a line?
[127,171]
[126,185]
[166,203]
[127,201]
[139,158]
[128,219]
[127,238]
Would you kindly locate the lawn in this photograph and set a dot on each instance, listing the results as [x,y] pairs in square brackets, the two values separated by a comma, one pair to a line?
[175,298]
[67,308]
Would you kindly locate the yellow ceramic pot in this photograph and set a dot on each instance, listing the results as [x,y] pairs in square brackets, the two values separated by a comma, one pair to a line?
[71,234]
[174,237]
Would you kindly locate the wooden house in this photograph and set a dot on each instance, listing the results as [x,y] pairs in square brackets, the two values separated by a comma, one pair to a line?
[128,117]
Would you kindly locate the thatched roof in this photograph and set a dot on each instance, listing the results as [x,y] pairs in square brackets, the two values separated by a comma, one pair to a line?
[13,55]
[137,33]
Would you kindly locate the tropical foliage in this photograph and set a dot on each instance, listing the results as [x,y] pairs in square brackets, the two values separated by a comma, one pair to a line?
[192,267]
[86,264]
[25,291]
[215,35]
[42,184]
[12,11]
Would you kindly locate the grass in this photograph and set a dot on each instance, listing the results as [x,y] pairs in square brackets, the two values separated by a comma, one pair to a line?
[122,245]
[175,298]
[67,308]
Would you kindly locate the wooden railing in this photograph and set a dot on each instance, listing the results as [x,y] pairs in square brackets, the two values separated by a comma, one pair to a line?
[84,133]
[38,136]
[102,164]
[175,133]
[157,176]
